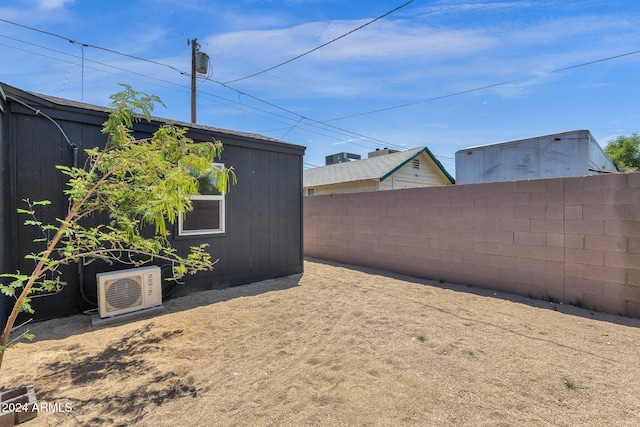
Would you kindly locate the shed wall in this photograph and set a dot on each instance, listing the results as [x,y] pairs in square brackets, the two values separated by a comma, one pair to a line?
[5,208]
[263,237]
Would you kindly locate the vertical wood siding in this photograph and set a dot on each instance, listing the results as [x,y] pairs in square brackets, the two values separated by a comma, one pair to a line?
[263,236]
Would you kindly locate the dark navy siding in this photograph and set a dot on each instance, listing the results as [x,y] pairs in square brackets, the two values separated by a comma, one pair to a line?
[263,236]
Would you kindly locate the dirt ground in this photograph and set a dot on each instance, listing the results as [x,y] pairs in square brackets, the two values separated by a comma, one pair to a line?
[338,345]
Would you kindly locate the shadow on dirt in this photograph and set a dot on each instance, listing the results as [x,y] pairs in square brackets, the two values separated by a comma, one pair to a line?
[118,363]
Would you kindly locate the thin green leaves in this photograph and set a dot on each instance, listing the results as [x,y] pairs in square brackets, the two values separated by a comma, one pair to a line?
[138,185]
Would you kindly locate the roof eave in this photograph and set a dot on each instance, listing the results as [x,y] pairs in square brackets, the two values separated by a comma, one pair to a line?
[442,169]
[424,150]
[394,170]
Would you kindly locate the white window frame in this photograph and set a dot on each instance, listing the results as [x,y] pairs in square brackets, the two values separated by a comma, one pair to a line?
[206,231]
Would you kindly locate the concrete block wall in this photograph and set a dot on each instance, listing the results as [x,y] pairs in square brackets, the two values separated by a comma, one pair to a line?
[574,240]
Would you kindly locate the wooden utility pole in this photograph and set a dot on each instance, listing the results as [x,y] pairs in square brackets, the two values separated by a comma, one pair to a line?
[194,48]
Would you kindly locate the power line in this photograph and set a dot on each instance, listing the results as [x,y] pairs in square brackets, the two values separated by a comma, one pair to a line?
[86,60]
[322,45]
[300,117]
[216,98]
[463,92]
[309,119]
[312,122]
[289,128]
[435,98]
[94,46]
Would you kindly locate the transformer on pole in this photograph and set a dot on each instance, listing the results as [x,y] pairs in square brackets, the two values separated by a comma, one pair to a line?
[199,64]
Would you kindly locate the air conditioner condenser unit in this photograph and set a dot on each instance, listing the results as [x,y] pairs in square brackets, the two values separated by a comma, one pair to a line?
[124,291]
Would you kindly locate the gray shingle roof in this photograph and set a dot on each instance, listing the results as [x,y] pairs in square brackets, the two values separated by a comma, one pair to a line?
[10,90]
[378,167]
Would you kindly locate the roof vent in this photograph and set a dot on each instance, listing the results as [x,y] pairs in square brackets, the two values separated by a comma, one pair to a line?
[381,152]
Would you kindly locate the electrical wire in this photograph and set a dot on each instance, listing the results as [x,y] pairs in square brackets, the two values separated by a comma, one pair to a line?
[38,112]
[95,47]
[66,79]
[310,121]
[289,128]
[216,97]
[508,82]
[282,119]
[85,60]
[299,118]
[322,45]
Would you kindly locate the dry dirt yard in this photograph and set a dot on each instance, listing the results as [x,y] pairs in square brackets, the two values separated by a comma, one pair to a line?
[338,345]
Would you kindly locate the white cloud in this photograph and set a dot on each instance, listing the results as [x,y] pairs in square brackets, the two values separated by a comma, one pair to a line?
[465,7]
[52,4]
[395,39]
[9,13]
[36,13]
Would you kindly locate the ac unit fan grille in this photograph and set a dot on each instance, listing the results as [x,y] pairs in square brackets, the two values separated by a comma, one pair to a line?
[123,293]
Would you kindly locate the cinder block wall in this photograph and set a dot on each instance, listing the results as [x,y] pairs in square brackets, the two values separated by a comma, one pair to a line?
[573,240]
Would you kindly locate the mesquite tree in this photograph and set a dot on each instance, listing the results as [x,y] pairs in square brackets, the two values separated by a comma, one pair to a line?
[625,152]
[140,185]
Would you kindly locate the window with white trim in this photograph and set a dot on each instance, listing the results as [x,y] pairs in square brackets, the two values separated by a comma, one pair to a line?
[208,214]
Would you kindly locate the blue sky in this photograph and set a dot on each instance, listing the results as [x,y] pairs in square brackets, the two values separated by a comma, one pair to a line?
[442,74]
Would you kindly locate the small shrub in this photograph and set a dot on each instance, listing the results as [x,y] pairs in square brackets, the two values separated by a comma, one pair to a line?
[569,383]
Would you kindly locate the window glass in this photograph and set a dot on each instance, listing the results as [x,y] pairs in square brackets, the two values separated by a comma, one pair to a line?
[204,216]
[208,214]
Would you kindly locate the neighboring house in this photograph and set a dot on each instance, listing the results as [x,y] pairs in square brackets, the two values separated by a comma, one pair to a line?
[573,153]
[382,170]
[255,229]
